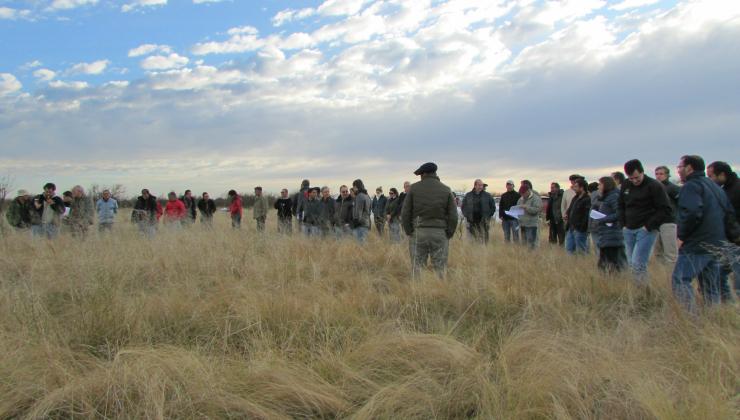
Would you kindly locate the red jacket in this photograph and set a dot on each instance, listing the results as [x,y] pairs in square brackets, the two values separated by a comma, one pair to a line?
[236,206]
[174,210]
[159,211]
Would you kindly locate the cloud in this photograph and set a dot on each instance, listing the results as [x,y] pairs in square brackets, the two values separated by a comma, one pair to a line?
[288,15]
[44,75]
[137,4]
[158,62]
[9,84]
[148,48]
[631,4]
[13,14]
[206,1]
[251,30]
[96,67]
[68,4]
[30,65]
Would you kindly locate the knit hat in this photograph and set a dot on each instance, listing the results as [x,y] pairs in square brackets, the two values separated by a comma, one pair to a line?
[524,188]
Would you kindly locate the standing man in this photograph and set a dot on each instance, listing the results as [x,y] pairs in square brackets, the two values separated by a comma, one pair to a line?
[207,209]
[593,227]
[326,213]
[394,222]
[643,207]
[531,203]
[297,198]
[46,213]
[19,212]
[174,212]
[700,228]
[284,207]
[81,213]
[619,178]
[107,208]
[429,219]
[666,244]
[554,215]
[235,209]
[478,207]
[569,194]
[577,218]
[360,211]
[146,213]
[378,207]
[260,209]
[190,209]
[343,213]
[510,224]
[308,212]
[722,175]
[401,199]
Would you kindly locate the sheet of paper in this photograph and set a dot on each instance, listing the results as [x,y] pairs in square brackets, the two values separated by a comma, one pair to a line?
[66,211]
[597,215]
[514,215]
[224,209]
[518,211]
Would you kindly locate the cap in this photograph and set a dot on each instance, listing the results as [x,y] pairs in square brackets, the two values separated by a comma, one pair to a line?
[426,168]
[524,188]
[510,182]
[22,193]
[258,188]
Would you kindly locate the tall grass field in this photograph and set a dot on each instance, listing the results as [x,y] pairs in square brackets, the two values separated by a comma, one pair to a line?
[225,324]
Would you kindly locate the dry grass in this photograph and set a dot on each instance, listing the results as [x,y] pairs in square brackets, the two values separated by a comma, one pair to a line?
[237,325]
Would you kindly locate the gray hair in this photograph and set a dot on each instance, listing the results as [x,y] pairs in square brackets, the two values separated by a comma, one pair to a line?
[323,188]
[664,168]
[477,181]
[78,188]
[172,194]
[404,184]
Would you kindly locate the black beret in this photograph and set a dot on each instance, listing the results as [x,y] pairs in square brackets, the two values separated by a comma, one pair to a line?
[426,168]
[258,188]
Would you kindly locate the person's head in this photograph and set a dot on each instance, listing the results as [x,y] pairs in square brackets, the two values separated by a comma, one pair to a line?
[313,193]
[284,193]
[379,191]
[106,195]
[393,192]
[258,191]
[662,173]
[325,192]
[305,184]
[352,192]
[510,186]
[406,186]
[428,168]
[580,186]
[719,172]
[145,194]
[358,185]
[527,183]
[573,178]
[344,191]
[232,193]
[593,187]
[172,196]
[78,191]
[67,196]
[618,177]
[689,165]
[478,185]
[525,190]
[206,196]
[49,189]
[23,195]
[188,194]
[606,184]
[554,187]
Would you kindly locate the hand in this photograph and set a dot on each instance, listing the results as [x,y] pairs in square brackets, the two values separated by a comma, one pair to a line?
[624,228]
[523,206]
[388,217]
[565,217]
[49,201]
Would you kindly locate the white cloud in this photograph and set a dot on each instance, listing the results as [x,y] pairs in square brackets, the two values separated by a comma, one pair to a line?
[288,15]
[206,1]
[630,4]
[148,48]
[13,14]
[159,62]
[96,67]
[142,3]
[68,4]
[44,75]
[70,85]
[250,30]
[341,7]
[9,84]
[30,65]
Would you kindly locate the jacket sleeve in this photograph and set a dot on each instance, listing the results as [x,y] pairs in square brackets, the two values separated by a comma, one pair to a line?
[491,203]
[536,207]
[663,205]
[299,209]
[57,205]
[614,207]
[406,211]
[13,215]
[621,209]
[464,205]
[690,209]
[276,206]
[548,213]
[451,216]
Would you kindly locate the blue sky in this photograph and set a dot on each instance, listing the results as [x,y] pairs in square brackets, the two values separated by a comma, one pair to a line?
[232,94]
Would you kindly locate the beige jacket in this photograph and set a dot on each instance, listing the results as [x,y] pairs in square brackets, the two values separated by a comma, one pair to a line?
[261,207]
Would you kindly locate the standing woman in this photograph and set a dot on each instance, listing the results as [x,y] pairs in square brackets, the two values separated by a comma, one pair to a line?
[612,256]
[393,216]
[361,211]
[593,226]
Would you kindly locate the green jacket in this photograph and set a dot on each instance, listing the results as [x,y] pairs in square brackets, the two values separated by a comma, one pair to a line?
[261,207]
[82,210]
[429,203]
[18,214]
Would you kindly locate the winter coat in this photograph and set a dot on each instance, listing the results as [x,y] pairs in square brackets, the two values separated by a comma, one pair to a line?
[700,216]
[343,210]
[593,227]
[610,236]
[309,212]
[174,210]
[554,205]
[531,216]
[57,207]
[106,210]
[568,196]
[487,205]
[672,191]
[236,206]
[326,212]
[399,207]
[508,200]
[644,205]
[298,197]
[19,214]
[284,206]
[378,206]
[361,210]
[732,189]
[261,207]
[207,208]
[578,213]
[190,210]
[429,204]
[82,211]
[392,209]
[150,210]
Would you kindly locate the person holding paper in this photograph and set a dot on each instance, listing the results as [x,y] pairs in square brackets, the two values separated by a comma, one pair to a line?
[593,228]
[612,256]
[578,212]
[46,213]
[531,203]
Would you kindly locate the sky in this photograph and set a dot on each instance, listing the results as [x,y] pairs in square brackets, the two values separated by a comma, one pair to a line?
[213,95]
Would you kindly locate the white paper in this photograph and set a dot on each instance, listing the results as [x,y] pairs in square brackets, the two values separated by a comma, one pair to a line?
[66,212]
[515,211]
[224,209]
[597,215]
[514,215]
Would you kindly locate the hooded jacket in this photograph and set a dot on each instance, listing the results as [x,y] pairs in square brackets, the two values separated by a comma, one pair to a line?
[644,205]
[190,210]
[700,217]
[531,216]
[82,210]
[57,207]
[261,207]
[610,236]
[284,206]
[378,206]
[343,210]
[19,214]
[106,210]
[206,207]
[429,204]
[361,210]
[236,206]
[554,207]
[487,205]
[578,213]
[508,200]
[150,209]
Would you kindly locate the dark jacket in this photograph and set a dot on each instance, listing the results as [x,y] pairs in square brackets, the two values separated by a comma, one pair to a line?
[308,212]
[326,212]
[401,199]
[672,191]
[429,204]
[149,206]
[486,203]
[392,209]
[378,206]
[343,210]
[700,216]
[297,198]
[508,200]
[644,205]
[578,213]
[610,236]
[361,210]
[732,189]
[207,208]
[284,207]
[19,214]
[595,205]
[191,211]
[554,212]
[57,206]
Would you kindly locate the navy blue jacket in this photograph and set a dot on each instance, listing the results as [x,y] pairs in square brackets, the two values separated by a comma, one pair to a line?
[700,217]
[610,236]
[487,205]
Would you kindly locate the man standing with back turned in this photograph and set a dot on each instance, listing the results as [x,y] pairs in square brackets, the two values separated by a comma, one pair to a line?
[260,209]
[429,219]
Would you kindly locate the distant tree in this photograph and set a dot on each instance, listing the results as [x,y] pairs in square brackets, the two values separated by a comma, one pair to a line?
[7,186]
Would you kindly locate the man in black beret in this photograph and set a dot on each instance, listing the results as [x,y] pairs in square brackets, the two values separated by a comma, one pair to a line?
[429,218]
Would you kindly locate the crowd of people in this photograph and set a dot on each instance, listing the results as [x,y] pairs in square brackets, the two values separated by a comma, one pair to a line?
[625,217]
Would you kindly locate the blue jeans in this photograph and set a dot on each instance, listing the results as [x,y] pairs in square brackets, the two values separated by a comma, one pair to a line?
[639,246]
[343,232]
[704,268]
[45,230]
[529,236]
[510,229]
[146,229]
[361,235]
[576,242]
[725,269]
[309,230]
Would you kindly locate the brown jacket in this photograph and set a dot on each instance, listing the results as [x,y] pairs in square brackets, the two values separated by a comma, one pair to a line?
[429,203]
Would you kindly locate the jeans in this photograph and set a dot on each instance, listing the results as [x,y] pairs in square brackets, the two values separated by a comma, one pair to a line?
[576,242]
[147,229]
[510,229]
[394,228]
[341,232]
[666,244]
[703,267]
[236,221]
[309,230]
[726,268]
[45,230]
[380,224]
[639,245]
[360,234]
[173,225]
[529,236]
[206,222]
